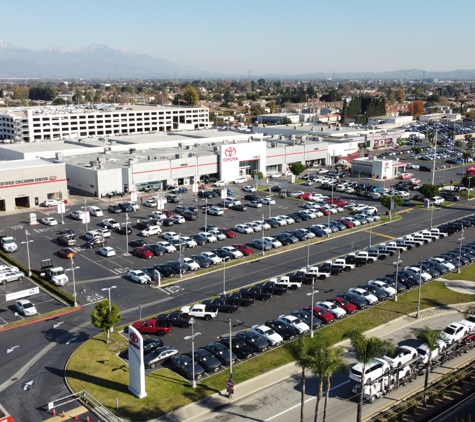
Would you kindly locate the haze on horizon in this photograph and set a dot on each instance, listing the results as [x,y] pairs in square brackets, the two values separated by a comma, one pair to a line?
[263,37]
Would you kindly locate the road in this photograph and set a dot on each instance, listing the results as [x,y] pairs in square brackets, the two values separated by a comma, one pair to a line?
[44,349]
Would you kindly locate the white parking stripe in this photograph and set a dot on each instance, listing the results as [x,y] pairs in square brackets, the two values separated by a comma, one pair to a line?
[95,262]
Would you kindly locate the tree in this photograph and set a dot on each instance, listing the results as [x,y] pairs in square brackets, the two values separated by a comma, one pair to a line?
[325,362]
[429,191]
[286,121]
[104,319]
[429,337]
[470,143]
[366,349]
[458,144]
[400,95]
[301,352]
[297,168]
[401,142]
[416,108]
[466,155]
[430,136]
[468,182]
[417,150]
[386,201]
[190,95]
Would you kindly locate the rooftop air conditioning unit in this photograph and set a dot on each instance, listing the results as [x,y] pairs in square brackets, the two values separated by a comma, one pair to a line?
[177,155]
[132,151]
[59,156]
[215,148]
[191,154]
[180,145]
[91,163]
[273,144]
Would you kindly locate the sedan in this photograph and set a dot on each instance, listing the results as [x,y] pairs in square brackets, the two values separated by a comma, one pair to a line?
[124,230]
[203,261]
[238,346]
[66,253]
[273,338]
[183,365]
[159,356]
[25,307]
[254,204]
[49,221]
[178,219]
[214,211]
[139,276]
[107,251]
[228,233]
[268,201]
[143,252]
[244,249]
[295,322]
[94,243]
[287,331]
[348,307]
[239,207]
[253,339]
[221,352]
[110,223]
[206,360]
[334,309]
[137,242]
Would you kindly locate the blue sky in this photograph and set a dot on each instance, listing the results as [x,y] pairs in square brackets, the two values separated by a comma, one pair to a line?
[261,36]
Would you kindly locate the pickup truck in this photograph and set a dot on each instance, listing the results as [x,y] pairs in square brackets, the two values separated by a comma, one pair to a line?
[176,319]
[272,288]
[416,241]
[342,262]
[199,311]
[220,305]
[255,292]
[315,272]
[237,298]
[7,243]
[365,257]
[431,235]
[437,232]
[393,246]
[379,253]
[284,281]
[403,243]
[425,239]
[329,268]
[153,326]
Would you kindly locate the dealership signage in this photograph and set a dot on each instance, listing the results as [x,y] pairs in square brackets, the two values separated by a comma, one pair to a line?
[22,293]
[136,364]
[230,154]
[24,181]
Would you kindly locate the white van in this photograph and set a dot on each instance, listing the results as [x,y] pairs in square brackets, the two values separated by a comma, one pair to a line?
[95,211]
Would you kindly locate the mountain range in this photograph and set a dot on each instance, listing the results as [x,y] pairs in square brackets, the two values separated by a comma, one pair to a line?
[102,62]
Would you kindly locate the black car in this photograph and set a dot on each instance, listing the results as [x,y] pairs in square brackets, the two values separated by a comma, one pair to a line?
[190,216]
[239,207]
[274,188]
[66,240]
[124,230]
[284,239]
[179,244]
[138,242]
[115,209]
[303,216]
[307,318]
[199,239]
[149,345]
[317,231]
[206,360]
[159,356]
[167,222]
[236,298]
[183,364]
[221,352]
[68,232]
[125,207]
[442,269]
[272,288]
[359,303]
[430,269]
[203,261]
[253,339]
[238,346]
[401,278]
[251,197]
[296,217]
[205,194]
[380,293]
[96,242]
[255,293]
[177,319]
[220,305]
[424,168]
[173,199]
[285,330]
[400,287]
[178,267]
[300,276]
[157,250]
[224,255]
[273,223]
[144,224]
[165,270]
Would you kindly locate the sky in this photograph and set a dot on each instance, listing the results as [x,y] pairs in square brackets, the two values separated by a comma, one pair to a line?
[258,37]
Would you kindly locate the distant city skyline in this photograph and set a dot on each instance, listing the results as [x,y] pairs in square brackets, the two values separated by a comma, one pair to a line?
[255,38]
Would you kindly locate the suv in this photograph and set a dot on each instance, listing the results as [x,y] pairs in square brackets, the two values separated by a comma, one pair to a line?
[375,369]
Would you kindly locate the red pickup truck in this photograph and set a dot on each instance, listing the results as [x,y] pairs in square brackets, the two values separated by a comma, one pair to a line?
[153,326]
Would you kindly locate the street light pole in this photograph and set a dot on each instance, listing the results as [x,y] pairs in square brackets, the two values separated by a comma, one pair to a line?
[419,293]
[28,251]
[370,232]
[230,355]
[224,276]
[460,251]
[308,253]
[206,213]
[192,337]
[74,281]
[311,310]
[110,302]
[399,261]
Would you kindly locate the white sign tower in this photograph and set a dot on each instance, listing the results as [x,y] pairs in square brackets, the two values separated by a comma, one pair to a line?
[136,364]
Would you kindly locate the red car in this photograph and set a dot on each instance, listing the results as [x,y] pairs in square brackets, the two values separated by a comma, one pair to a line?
[245,250]
[305,195]
[324,210]
[228,233]
[143,252]
[321,313]
[169,214]
[344,304]
[348,224]
[337,201]
[153,326]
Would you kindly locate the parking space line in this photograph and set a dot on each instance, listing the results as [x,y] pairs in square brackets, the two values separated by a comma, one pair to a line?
[92,280]
[380,234]
[108,269]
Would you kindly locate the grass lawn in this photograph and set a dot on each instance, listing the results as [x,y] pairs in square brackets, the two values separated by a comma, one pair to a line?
[106,377]
[466,273]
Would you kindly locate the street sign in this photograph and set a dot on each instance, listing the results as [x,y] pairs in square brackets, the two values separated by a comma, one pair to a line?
[61,208]
[133,196]
[22,293]
[224,193]
[230,383]
[286,184]
[195,187]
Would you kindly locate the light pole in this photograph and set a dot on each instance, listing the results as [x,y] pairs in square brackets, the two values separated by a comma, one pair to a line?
[460,250]
[230,355]
[110,303]
[419,293]
[263,222]
[206,213]
[308,253]
[434,152]
[399,261]
[370,232]
[74,282]
[192,337]
[28,251]
[224,276]
[431,212]
[126,233]
[311,310]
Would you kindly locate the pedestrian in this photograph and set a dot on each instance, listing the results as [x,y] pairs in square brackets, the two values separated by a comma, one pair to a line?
[141,200]
[328,235]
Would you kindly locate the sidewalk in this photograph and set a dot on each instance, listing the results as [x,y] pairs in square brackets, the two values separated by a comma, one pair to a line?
[247,388]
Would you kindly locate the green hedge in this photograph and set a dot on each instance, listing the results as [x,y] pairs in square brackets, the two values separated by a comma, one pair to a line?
[51,288]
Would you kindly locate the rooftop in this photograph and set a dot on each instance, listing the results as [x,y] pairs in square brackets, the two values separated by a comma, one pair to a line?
[22,164]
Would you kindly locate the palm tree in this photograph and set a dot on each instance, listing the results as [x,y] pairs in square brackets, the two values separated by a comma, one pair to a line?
[366,349]
[429,337]
[302,351]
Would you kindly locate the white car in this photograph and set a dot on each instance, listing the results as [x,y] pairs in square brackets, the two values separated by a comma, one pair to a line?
[215,259]
[310,213]
[401,356]
[150,231]
[364,294]
[94,234]
[268,201]
[139,276]
[454,332]
[233,251]
[170,235]
[107,251]
[159,214]
[219,183]
[416,272]
[273,338]
[178,219]
[276,175]
[52,202]
[243,228]
[280,220]
[355,222]
[295,322]
[110,223]
[375,369]
[103,232]
[263,224]
[190,243]
[150,203]
[215,211]
[441,261]
[322,227]
[335,310]
[95,211]
[248,189]
[469,321]
[288,219]
[272,241]
[49,221]
[255,226]
[209,237]
[254,204]
[77,215]
[218,235]
[391,291]
[168,246]
[423,351]
[192,265]
[25,307]
[240,180]
[134,205]
[357,207]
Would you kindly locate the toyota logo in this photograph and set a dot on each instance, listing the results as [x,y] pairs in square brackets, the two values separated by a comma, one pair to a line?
[230,152]
[134,337]
[52,178]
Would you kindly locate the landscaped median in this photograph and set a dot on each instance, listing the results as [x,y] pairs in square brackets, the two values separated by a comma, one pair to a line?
[96,368]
